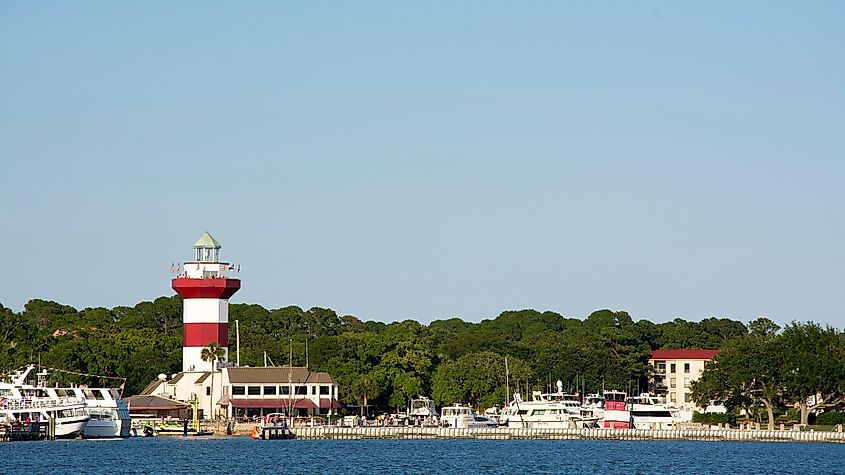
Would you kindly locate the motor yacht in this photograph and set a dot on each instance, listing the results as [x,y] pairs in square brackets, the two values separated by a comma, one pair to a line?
[462,417]
[593,406]
[546,410]
[616,413]
[650,412]
[109,412]
[422,410]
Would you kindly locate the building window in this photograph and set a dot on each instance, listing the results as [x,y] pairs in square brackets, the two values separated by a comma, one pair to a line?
[253,390]
[686,397]
[301,390]
[270,390]
[238,391]
[325,390]
[661,366]
[313,390]
[208,390]
[686,382]
[285,390]
[686,367]
[673,368]
[672,397]
[672,383]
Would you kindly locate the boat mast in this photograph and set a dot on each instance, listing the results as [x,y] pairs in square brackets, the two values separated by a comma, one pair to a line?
[507,384]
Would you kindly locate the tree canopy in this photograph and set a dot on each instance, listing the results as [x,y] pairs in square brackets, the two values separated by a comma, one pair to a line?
[382,364]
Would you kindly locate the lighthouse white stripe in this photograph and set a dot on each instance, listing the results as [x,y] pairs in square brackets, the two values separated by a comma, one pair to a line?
[205,311]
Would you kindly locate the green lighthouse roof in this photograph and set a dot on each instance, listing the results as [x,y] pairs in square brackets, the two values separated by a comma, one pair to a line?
[207,242]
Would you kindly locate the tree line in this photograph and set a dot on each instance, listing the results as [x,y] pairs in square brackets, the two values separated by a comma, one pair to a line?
[374,362]
[770,368]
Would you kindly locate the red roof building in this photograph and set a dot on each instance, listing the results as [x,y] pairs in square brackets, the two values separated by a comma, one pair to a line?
[671,373]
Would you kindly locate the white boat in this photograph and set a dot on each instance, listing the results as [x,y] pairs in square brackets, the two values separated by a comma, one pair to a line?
[109,412]
[593,406]
[462,417]
[21,402]
[422,410]
[422,407]
[547,411]
[650,412]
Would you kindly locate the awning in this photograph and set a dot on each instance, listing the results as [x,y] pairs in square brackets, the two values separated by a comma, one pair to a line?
[326,403]
[224,401]
[279,403]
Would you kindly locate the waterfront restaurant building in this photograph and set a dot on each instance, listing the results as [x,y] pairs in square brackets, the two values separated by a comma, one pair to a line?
[672,371]
[252,391]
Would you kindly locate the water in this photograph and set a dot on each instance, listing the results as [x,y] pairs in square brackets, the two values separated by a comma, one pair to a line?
[169,455]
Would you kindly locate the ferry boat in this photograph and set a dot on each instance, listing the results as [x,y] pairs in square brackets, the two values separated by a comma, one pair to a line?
[23,402]
[462,417]
[549,411]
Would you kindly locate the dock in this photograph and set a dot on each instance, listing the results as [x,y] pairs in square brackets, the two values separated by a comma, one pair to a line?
[33,431]
[503,433]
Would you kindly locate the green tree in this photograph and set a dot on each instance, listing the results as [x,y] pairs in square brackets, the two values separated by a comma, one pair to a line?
[212,353]
[813,368]
[365,388]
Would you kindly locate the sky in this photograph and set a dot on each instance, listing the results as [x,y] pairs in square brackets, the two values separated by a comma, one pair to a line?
[429,160]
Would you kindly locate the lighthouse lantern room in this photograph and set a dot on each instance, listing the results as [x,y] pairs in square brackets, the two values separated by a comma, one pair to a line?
[205,287]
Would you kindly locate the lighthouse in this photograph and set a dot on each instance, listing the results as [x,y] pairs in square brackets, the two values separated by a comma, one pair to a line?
[205,286]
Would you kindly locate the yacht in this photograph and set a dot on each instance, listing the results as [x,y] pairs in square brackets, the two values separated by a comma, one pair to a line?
[462,417]
[650,412]
[549,411]
[616,413]
[593,406]
[21,402]
[109,412]
[422,409]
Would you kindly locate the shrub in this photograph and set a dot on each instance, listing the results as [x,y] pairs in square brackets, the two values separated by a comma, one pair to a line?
[830,418]
[713,418]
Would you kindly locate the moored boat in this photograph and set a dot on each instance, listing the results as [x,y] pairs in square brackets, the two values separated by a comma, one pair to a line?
[21,402]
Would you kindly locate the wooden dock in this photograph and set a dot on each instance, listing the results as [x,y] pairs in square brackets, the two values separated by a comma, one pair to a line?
[32,431]
[501,433]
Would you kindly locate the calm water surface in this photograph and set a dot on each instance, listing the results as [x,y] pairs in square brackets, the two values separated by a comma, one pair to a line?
[168,455]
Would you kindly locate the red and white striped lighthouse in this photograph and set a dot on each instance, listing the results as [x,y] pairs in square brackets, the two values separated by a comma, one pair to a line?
[205,287]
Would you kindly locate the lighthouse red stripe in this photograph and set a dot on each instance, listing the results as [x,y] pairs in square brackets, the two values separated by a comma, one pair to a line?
[201,334]
[217,288]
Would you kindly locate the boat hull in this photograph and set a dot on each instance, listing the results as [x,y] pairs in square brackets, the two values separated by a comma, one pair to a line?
[103,429]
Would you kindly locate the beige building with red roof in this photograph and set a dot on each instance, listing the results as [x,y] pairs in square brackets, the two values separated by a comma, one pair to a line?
[672,371]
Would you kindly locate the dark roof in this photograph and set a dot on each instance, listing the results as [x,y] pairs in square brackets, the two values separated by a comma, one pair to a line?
[277,374]
[199,380]
[683,354]
[176,378]
[153,403]
[149,388]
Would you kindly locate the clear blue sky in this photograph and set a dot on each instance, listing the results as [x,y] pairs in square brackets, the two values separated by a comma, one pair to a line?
[427,160]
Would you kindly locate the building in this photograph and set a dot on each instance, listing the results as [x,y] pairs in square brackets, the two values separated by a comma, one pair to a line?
[237,391]
[672,371]
[221,388]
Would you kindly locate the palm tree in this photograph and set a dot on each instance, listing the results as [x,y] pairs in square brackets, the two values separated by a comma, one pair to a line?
[213,353]
[365,388]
